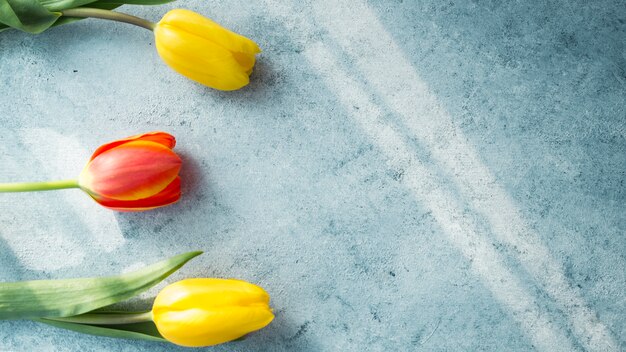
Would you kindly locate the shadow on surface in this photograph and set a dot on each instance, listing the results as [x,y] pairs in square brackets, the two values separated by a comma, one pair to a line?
[12,269]
[452,151]
[541,98]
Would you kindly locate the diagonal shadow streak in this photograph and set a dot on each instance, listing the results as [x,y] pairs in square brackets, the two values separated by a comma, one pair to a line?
[485,261]
[398,84]
[457,156]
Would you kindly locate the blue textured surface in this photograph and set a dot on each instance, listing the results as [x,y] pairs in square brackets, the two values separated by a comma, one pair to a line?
[398,175]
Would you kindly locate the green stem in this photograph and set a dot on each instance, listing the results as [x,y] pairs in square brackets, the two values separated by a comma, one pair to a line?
[38,186]
[107,318]
[85,12]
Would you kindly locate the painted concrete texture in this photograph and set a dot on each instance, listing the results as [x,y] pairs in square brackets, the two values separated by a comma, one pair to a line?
[399,175]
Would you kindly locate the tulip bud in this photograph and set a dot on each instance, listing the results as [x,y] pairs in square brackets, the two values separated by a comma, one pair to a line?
[135,173]
[206,312]
[204,51]
[192,45]
[132,174]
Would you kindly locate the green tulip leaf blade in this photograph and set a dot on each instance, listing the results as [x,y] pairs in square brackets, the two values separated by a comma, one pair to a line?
[26,15]
[135,2]
[59,5]
[137,331]
[65,20]
[35,16]
[69,297]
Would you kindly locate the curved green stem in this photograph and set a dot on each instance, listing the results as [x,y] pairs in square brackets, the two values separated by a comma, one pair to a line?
[107,318]
[38,186]
[86,12]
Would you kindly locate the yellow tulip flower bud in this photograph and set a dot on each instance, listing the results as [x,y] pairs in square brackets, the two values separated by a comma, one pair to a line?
[206,312]
[204,51]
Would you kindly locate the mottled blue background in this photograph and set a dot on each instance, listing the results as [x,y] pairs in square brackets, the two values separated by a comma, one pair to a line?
[399,175]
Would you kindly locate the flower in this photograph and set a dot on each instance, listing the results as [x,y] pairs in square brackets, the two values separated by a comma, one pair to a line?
[134,174]
[204,51]
[206,312]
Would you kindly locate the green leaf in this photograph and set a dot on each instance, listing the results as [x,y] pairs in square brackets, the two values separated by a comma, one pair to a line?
[66,20]
[26,15]
[59,5]
[135,2]
[35,16]
[63,298]
[141,331]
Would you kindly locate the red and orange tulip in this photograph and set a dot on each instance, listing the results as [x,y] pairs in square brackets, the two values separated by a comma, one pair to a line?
[131,174]
[135,173]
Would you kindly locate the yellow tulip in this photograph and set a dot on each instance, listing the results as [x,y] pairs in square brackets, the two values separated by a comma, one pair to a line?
[204,51]
[206,312]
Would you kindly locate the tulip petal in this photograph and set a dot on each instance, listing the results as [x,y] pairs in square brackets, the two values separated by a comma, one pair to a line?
[199,59]
[212,290]
[204,312]
[199,327]
[134,170]
[163,138]
[192,22]
[246,61]
[170,195]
